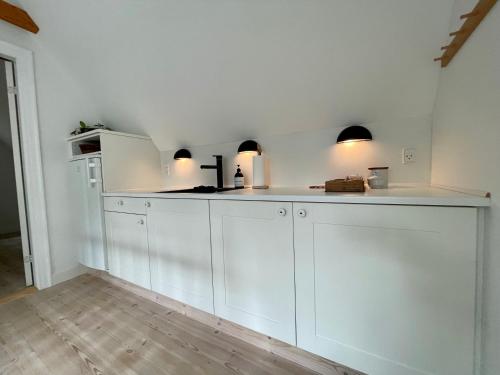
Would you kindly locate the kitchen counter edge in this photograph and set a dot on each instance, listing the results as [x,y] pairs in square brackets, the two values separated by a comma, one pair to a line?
[428,196]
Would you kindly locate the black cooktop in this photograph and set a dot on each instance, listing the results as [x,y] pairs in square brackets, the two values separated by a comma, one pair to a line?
[200,189]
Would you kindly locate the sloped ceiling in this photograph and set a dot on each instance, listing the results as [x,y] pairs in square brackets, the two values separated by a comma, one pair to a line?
[192,72]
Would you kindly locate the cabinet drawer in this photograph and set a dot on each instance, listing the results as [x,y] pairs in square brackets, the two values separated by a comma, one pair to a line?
[127,205]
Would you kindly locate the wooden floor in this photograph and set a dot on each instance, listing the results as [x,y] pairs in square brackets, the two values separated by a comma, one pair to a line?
[89,326]
[12,276]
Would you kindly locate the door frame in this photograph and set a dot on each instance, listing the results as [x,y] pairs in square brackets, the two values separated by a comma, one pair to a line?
[30,154]
[18,176]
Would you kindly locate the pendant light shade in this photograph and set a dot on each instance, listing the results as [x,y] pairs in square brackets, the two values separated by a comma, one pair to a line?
[182,154]
[354,133]
[250,146]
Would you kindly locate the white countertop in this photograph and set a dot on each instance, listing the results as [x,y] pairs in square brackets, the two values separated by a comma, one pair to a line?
[424,196]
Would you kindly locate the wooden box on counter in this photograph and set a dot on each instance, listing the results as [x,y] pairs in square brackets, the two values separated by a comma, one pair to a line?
[345,185]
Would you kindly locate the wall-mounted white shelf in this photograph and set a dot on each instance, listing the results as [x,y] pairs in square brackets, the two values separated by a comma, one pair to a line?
[94,137]
[85,156]
[98,132]
[129,161]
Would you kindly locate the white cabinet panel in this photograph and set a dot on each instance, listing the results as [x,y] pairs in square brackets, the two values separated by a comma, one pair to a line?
[128,255]
[253,265]
[389,290]
[125,204]
[179,248]
[129,162]
[88,218]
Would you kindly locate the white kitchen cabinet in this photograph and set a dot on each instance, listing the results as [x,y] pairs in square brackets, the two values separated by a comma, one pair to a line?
[253,265]
[87,221]
[125,204]
[128,255]
[179,249]
[388,290]
[120,162]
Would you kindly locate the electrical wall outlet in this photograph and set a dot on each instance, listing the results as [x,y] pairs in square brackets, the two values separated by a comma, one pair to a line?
[409,155]
[166,169]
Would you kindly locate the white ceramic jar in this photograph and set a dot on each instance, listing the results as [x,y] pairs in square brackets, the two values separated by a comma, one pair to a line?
[378,178]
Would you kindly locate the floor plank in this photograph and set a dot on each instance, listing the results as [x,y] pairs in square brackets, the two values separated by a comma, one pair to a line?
[192,337]
[89,326]
[177,324]
[18,294]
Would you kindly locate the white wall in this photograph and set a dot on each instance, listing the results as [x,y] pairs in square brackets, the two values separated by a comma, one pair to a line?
[61,103]
[195,72]
[312,157]
[202,72]
[466,151]
[9,214]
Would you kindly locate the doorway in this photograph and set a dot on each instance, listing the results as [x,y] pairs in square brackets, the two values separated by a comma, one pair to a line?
[15,256]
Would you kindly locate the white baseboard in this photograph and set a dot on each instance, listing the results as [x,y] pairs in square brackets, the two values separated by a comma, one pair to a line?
[59,277]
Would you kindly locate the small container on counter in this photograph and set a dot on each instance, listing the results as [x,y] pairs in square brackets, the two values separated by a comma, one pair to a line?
[239,180]
[260,172]
[378,178]
[349,184]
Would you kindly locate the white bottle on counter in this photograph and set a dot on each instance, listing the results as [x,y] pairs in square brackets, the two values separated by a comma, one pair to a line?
[260,172]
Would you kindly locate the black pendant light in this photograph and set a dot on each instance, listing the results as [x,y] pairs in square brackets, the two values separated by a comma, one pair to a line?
[354,133]
[182,154]
[249,146]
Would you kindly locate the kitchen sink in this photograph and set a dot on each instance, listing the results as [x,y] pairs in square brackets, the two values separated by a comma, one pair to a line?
[201,189]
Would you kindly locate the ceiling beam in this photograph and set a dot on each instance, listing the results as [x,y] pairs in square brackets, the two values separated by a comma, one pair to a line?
[17,16]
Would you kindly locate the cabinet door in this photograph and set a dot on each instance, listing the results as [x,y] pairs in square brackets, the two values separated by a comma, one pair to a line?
[388,290]
[179,248]
[253,263]
[128,256]
[88,218]
[80,219]
[97,258]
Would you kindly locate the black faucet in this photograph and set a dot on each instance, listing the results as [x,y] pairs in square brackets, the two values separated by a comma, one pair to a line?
[218,166]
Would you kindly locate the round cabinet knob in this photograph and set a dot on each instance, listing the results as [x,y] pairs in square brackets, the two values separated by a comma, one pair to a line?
[120,203]
[282,212]
[141,222]
[148,204]
[302,213]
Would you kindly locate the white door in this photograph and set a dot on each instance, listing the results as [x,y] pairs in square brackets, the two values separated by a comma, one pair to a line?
[16,150]
[253,265]
[127,244]
[387,290]
[88,218]
[179,249]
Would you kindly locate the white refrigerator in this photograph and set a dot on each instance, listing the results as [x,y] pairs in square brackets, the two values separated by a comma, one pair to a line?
[88,225]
